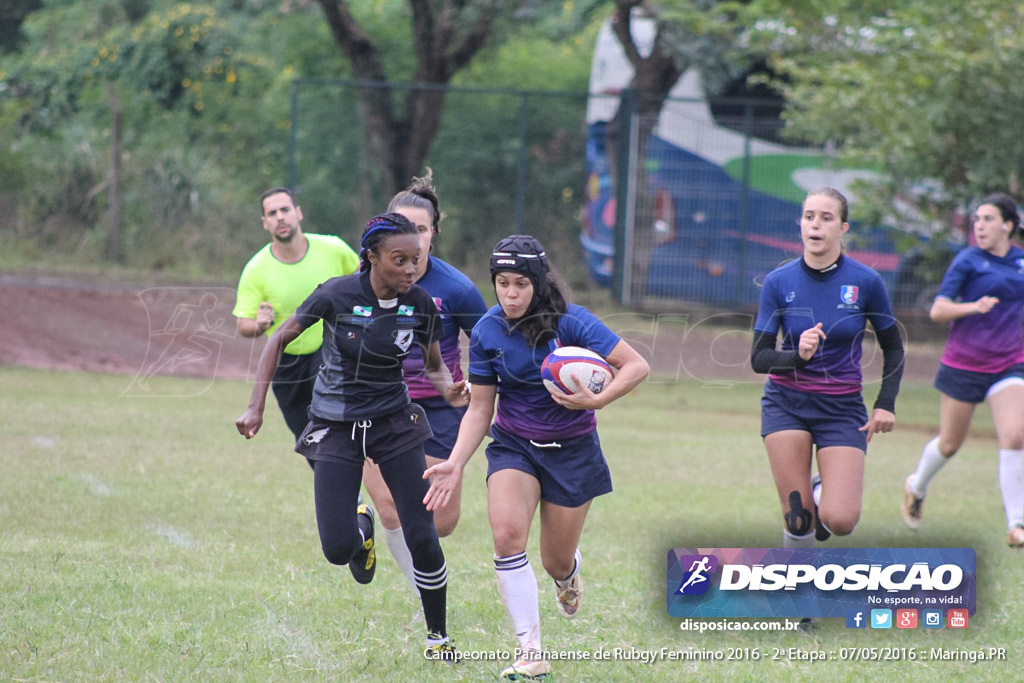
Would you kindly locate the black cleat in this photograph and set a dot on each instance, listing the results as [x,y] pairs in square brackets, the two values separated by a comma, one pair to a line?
[364,563]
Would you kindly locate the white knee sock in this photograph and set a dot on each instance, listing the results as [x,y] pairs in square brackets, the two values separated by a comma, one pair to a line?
[400,551]
[518,587]
[927,467]
[791,541]
[1011,481]
[577,561]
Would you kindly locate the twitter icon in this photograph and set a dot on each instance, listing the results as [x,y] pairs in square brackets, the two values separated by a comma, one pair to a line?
[881,618]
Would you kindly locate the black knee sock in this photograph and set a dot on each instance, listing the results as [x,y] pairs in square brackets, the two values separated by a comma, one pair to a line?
[404,476]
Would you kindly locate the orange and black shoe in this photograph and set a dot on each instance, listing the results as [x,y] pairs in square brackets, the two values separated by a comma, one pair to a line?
[1015,536]
[912,509]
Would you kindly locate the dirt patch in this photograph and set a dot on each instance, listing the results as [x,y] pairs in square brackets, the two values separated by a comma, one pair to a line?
[188,331]
[145,332]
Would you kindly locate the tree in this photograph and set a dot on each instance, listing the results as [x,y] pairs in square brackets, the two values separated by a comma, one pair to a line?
[699,33]
[928,93]
[159,81]
[12,13]
[445,37]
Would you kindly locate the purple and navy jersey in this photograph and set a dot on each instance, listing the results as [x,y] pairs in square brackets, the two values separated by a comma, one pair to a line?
[461,308]
[994,341]
[364,346]
[503,358]
[795,299]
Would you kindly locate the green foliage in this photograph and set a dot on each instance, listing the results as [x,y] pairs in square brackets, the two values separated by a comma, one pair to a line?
[205,111]
[206,91]
[923,91]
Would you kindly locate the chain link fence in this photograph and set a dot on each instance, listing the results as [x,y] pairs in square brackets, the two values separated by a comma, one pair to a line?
[504,161]
[690,206]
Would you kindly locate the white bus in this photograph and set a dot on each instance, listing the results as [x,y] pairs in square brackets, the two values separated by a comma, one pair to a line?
[727,203]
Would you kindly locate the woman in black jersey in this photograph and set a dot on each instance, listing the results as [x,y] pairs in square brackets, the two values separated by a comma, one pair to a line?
[361,408]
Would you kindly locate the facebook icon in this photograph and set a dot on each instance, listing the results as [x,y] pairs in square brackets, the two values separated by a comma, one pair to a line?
[856,619]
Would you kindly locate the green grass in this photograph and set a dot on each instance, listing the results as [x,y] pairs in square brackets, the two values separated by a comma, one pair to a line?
[143,539]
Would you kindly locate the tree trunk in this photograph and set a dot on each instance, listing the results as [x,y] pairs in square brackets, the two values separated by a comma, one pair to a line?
[446,36]
[653,79]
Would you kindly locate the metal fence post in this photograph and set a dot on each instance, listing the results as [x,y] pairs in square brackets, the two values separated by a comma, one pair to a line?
[293,124]
[748,132]
[521,166]
[622,265]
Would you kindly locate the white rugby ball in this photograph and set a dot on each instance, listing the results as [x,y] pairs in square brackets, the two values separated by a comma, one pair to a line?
[558,369]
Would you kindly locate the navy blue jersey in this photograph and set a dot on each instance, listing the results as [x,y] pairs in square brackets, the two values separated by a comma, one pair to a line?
[461,307]
[795,299]
[364,346]
[991,342]
[503,358]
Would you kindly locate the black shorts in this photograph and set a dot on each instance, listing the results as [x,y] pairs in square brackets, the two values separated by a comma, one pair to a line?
[293,388]
[379,438]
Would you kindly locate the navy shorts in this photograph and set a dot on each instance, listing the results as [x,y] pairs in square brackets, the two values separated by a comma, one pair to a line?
[444,421]
[379,438]
[972,387]
[571,471]
[830,420]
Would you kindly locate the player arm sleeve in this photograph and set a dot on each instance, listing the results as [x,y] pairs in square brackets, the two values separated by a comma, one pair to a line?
[764,358]
[891,343]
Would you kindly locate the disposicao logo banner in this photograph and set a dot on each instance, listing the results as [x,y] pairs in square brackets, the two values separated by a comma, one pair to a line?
[804,582]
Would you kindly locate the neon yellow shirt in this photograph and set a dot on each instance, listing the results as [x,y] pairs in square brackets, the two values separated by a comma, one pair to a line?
[286,285]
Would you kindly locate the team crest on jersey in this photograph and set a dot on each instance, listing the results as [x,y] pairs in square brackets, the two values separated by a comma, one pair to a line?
[406,310]
[1020,265]
[437,300]
[403,339]
[849,293]
[362,311]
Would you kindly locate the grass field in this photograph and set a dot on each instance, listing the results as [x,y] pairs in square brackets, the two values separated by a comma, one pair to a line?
[143,539]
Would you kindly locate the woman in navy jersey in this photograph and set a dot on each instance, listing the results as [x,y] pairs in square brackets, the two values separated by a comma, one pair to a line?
[461,306]
[361,408]
[544,451]
[982,298]
[812,402]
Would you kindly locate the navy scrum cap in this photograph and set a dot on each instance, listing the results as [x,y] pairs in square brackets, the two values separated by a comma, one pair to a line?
[521,254]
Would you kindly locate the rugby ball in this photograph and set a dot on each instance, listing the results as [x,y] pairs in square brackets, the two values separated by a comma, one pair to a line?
[558,369]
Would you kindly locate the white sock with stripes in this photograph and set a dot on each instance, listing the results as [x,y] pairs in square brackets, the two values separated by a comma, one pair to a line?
[518,587]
